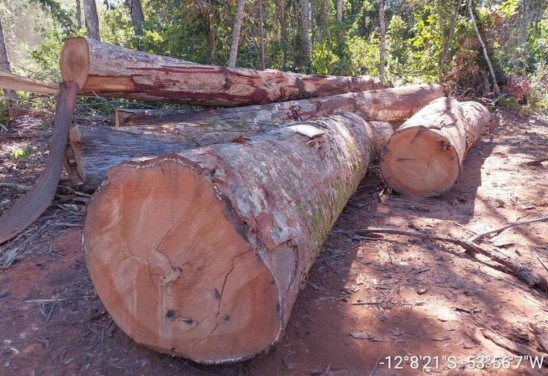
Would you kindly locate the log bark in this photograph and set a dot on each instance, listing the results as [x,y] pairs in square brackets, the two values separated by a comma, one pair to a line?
[391,105]
[425,155]
[108,70]
[93,150]
[201,254]
[33,203]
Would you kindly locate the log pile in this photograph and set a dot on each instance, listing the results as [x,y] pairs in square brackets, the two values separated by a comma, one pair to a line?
[206,223]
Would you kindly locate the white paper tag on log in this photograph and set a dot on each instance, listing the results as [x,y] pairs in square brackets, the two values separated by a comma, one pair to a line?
[307,130]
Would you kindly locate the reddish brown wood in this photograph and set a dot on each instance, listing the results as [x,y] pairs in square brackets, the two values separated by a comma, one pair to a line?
[109,70]
[201,254]
[33,203]
[392,105]
[425,155]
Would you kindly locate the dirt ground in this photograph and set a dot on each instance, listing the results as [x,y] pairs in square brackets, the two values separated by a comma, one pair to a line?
[385,305]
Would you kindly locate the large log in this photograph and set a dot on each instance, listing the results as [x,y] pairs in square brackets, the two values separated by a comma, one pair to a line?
[95,149]
[33,203]
[425,155]
[392,105]
[109,70]
[201,254]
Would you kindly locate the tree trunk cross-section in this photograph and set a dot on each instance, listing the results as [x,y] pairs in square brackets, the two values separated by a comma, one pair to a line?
[424,156]
[392,105]
[201,254]
[109,70]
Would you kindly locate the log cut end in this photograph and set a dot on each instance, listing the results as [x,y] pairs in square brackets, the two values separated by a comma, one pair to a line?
[75,61]
[174,271]
[420,162]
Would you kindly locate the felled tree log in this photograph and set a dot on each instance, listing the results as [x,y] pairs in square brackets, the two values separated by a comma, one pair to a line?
[32,204]
[12,81]
[109,70]
[391,105]
[201,254]
[425,155]
[95,149]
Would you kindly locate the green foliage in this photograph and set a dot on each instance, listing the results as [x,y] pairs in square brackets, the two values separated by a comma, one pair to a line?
[323,59]
[426,41]
[365,56]
[21,153]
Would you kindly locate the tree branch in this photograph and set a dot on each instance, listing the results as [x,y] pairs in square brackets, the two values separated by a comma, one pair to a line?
[521,272]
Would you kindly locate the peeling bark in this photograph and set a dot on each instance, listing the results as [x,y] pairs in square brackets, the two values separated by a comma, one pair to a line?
[108,70]
[201,254]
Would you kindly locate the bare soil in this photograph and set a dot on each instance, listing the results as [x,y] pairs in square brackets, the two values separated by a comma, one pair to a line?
[369,306]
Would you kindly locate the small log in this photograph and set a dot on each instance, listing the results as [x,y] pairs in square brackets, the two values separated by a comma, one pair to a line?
[425,155]
[32,204]
[12,81]
[392,105]
[201,254]
[109,70]
[95,149]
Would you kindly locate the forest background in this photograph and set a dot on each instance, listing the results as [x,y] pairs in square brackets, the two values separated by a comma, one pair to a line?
[402,41]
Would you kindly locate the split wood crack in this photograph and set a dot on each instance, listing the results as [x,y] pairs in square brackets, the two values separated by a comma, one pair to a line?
[471,247]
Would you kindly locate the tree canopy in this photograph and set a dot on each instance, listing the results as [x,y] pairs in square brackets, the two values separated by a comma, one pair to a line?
[425,41]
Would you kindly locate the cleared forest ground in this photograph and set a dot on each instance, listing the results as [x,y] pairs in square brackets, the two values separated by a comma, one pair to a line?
[366,299]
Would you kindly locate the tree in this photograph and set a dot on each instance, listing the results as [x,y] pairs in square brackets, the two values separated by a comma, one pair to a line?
[210,14]
[305,30]
[236,34]
[78,14]
[383,41]
[137,16]
[261,34]
[282,19]
[92,20]
[524,23]
[496,89]
[5,66]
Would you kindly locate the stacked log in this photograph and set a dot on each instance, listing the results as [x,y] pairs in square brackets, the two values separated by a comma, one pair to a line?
[207,222]
[393,105]
[424,156]
[201,254]
[95,149]
[108,70]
